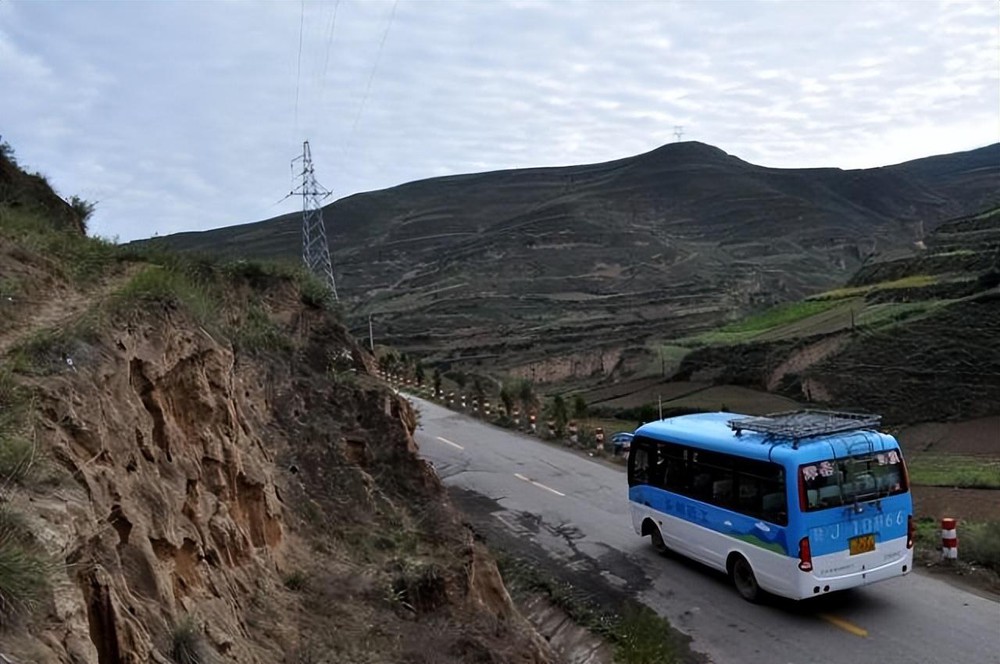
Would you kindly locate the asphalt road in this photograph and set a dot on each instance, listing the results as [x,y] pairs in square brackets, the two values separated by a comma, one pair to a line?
[575,512]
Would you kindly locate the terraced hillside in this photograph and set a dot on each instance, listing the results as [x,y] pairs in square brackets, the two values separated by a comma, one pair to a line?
[916,339]
[563,272]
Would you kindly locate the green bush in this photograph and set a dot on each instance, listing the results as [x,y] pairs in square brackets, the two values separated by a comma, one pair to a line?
[172,286]
[297,580]
[980,543]
[257,332]
[84,259]
[188,644]
[24,573]
[17,459]
[12,400]
[260,274]
[313,291]
[83,209]
[7,152]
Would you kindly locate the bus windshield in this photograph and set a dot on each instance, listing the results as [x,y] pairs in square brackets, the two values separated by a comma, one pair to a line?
[850,480]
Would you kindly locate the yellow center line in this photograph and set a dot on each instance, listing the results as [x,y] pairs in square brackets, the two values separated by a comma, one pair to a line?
[844,625]
[448,442]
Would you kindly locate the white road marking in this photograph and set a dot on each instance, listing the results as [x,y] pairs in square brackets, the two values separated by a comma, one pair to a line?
[448,442]
[539,484]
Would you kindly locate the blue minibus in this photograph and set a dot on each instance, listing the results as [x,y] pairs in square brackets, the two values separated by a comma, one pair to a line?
[796,504]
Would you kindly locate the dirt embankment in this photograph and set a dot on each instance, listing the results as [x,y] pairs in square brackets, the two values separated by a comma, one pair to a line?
[253,499]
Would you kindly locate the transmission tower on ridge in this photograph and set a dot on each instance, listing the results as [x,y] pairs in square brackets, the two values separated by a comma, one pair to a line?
[315,249]
[678,132]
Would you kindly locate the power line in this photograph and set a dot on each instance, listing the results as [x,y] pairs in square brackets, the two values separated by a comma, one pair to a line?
[329,41]
[371,77]
[298,66]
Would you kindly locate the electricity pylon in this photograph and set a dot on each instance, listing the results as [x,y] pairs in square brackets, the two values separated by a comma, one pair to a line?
[315,249]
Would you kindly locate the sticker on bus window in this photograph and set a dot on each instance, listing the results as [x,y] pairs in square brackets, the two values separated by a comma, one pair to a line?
[881,459]
[893,457]
[809,473]
[826,469]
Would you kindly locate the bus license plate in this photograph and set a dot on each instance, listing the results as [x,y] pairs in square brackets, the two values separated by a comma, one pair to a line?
[862,544]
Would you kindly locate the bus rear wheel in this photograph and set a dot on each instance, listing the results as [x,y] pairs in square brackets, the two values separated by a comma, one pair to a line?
[744,579]
[656,538]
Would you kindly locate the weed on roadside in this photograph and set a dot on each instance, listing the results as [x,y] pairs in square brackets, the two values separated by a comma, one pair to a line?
[637,633]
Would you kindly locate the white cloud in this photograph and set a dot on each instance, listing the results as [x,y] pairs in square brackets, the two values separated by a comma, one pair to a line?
[181,116]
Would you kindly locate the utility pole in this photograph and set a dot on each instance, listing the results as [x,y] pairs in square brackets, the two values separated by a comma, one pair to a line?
[371,337]
[678,132]
[315,248]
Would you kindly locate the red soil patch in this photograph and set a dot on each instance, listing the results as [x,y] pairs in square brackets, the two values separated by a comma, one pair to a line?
[980,437]
[963,504]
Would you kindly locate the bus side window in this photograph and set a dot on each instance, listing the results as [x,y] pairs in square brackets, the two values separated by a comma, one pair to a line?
[722,491]
[701,487]
[775,510]
[658,467]
[639,463]
[761,491]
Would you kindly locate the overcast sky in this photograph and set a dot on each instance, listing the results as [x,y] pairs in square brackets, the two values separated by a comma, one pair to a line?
[184,115]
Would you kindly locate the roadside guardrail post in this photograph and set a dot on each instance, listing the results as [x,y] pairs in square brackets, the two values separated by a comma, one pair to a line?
[949,538]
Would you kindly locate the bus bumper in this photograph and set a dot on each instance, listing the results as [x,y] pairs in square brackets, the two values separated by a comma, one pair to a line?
[811,585]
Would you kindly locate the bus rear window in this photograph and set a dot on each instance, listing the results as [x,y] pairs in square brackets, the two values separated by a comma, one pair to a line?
[849,480]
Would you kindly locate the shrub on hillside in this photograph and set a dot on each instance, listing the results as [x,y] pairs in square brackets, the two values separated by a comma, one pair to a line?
[188,644]
[83,209]
[172,286]
[24,572]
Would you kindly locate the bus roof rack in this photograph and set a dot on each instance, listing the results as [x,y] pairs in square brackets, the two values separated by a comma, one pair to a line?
[798,424]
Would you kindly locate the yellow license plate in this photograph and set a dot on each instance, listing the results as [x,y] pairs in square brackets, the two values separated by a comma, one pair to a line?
[862,544]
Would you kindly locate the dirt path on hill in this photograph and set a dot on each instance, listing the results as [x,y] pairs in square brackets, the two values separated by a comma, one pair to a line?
[59,311]
[806,357]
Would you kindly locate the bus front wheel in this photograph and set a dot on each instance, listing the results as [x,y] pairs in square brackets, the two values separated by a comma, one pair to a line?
[744,579]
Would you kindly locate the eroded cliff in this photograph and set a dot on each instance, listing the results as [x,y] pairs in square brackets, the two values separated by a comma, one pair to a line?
[214,475]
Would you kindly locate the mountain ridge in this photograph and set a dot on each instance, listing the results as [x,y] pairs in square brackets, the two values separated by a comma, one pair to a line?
[676,239]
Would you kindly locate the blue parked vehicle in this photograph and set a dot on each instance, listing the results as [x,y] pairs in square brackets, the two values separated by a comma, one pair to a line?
[621,442]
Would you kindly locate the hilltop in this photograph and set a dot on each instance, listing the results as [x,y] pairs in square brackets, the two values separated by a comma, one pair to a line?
[564,272]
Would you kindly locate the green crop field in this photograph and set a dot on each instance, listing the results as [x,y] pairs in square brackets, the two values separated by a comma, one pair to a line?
[955,471]
[915,281]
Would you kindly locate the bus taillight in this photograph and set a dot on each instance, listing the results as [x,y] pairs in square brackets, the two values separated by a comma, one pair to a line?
[805,555]
[909,532]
